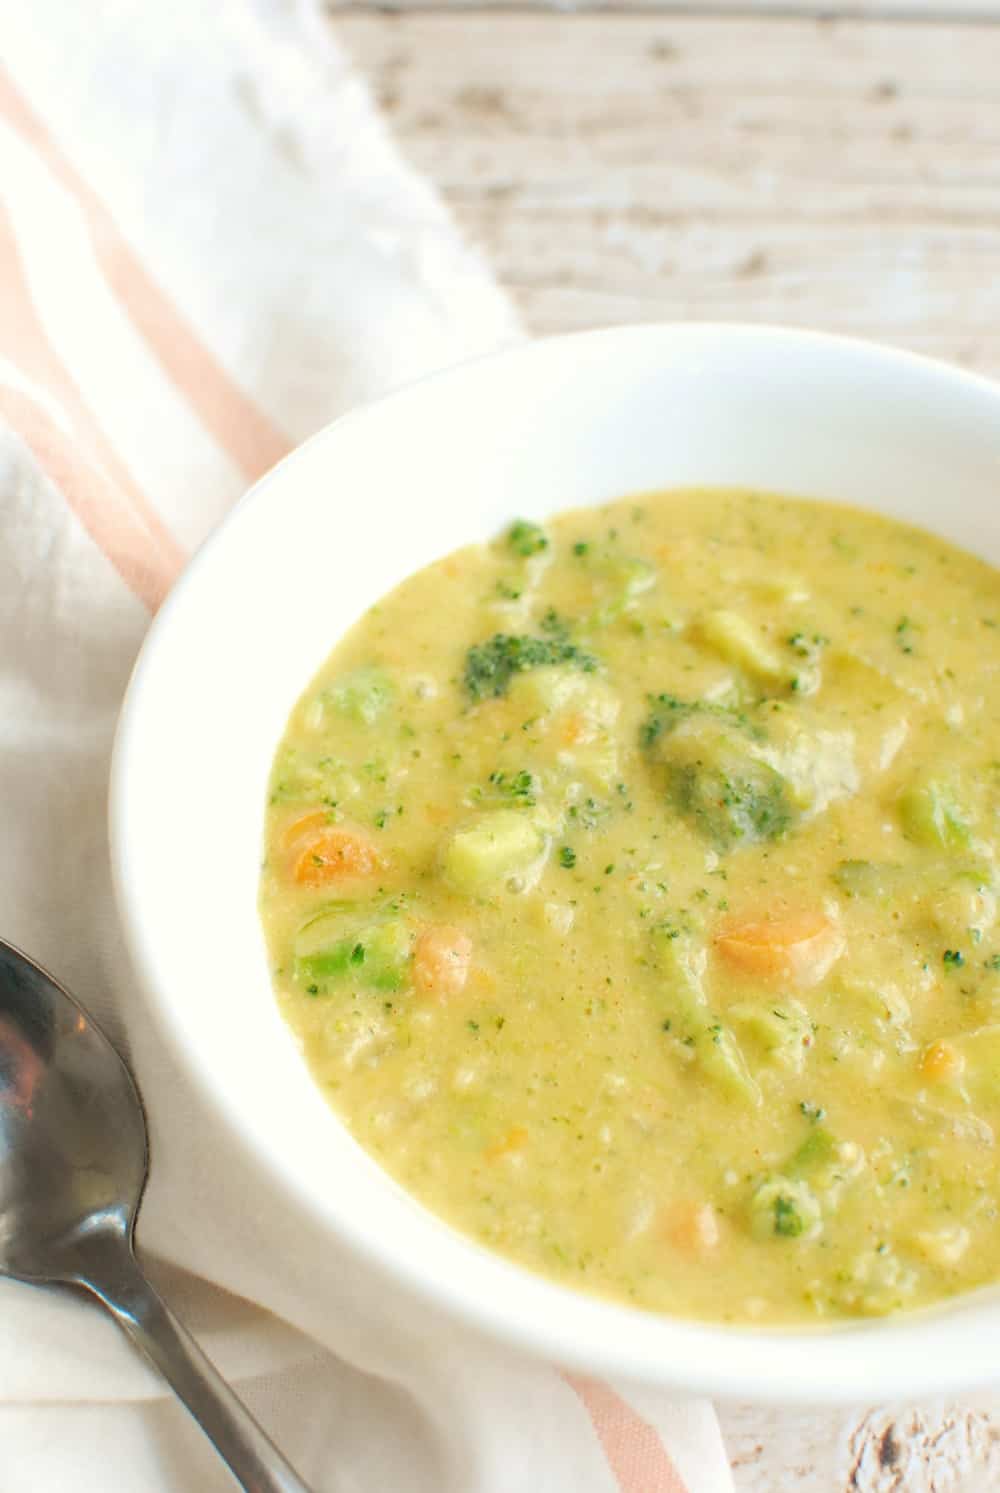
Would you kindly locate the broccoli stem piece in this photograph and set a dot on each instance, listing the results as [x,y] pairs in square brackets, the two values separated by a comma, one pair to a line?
[716,1050]
[930,816]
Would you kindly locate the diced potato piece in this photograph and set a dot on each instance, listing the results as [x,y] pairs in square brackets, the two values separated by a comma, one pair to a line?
[499,845]
[818,766]
[864,699]
[943,1247]
[739,642]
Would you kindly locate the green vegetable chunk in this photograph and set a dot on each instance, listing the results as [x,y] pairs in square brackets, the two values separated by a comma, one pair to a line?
[500,844]
[930,816]
[373,954]
[362,695]
[490,666]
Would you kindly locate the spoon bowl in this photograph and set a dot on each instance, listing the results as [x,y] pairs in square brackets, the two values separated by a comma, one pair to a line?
[73,1153]
[73,1165]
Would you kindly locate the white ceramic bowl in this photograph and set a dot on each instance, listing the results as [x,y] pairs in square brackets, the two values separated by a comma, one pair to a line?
[392,486]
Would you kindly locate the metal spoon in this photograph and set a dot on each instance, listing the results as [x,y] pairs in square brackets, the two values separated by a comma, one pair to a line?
[73,1164]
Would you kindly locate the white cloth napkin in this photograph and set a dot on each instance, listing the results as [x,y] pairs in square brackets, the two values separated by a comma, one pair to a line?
[208,248]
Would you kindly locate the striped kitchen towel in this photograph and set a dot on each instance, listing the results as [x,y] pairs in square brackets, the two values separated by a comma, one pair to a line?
[209,247]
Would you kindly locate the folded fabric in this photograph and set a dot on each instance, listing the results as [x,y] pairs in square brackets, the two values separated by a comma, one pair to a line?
[209,248]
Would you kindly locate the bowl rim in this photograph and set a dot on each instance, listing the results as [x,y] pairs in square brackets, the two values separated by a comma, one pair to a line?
[679,1354]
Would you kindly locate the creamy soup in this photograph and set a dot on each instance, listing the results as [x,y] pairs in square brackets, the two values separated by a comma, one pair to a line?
[630,885]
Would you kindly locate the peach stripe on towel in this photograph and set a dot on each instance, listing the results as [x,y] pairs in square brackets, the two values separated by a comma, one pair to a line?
[241,429]
[23,339]
[146,567]
[635,1453]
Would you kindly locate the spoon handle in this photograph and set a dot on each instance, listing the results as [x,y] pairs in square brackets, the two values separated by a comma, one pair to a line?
[112,1273]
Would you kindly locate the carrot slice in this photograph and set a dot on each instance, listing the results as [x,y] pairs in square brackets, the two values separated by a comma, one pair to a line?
[441,961]
[515,1140]
[336,855]
[306,824]
[692,1228]
[576,730]
[797,948]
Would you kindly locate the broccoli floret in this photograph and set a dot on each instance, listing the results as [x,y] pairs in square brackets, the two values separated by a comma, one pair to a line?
[490,666]
[730,802]
[669,712]
[715,772]
[526,538]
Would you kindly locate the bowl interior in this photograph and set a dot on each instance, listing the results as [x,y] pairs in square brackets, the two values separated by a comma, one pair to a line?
[382,492]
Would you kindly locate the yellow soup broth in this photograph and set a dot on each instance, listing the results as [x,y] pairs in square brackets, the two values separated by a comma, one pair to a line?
[630,885]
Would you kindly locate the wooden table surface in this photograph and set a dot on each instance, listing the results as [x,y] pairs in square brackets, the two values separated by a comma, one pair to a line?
[633,164]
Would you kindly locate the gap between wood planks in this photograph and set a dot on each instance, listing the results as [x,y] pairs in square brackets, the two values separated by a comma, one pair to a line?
[950,12]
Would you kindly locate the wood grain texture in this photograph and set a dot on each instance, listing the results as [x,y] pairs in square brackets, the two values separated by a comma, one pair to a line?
[628,168]
[933,1448]
[844,175]
[956,11]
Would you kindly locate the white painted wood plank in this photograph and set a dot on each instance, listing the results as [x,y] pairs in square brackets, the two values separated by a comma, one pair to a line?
[627,168]
[934,1448]
[946,10]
